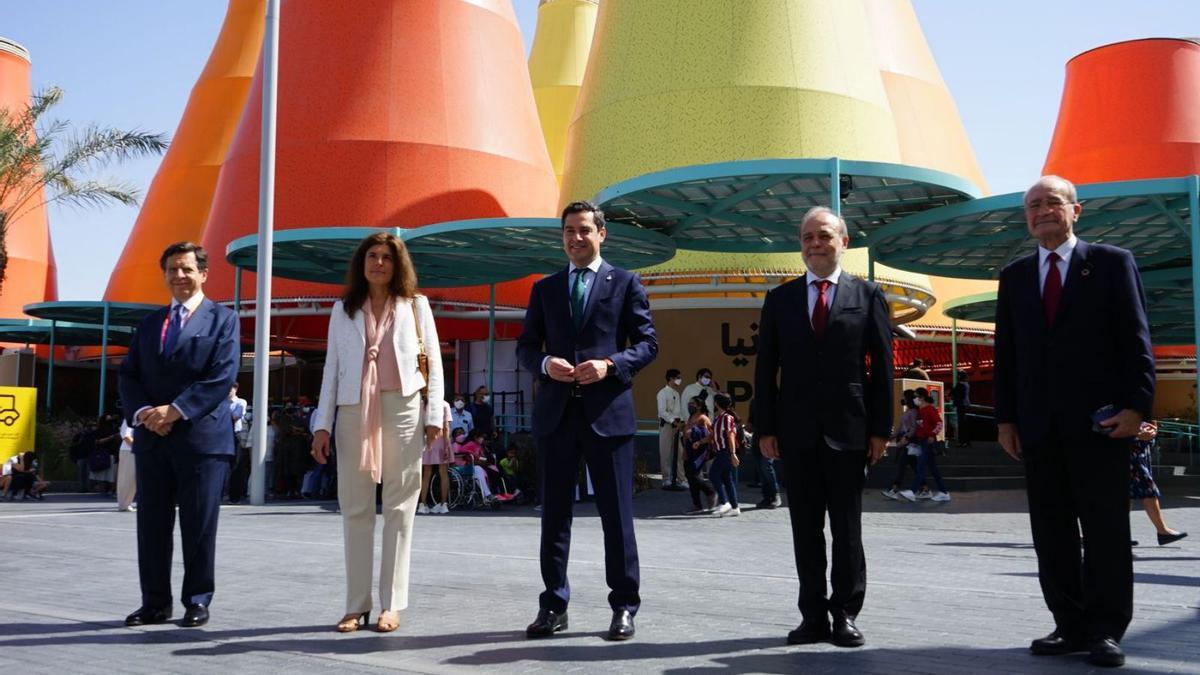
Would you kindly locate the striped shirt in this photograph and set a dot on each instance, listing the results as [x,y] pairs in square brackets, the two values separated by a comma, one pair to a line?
[724,426]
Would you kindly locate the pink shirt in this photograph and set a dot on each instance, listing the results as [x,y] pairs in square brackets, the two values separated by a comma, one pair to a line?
[469,448]
[389,368]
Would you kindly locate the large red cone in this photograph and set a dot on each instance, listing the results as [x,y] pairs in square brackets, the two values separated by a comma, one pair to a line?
[392,113]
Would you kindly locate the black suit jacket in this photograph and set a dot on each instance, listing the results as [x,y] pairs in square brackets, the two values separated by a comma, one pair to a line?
[807,391]
[616,325]
[1052,378]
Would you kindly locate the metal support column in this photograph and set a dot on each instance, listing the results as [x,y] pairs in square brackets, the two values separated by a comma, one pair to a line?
[103,361]
[266,224]
[1194,212]
[953,353]
[491,343]
[50,370]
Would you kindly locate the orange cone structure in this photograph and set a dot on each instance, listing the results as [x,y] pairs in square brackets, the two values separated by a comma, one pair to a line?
[30,276]
[392,113]
[177,204]
[1129,111]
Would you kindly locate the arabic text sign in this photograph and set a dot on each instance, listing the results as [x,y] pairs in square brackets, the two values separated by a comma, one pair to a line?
[18,420]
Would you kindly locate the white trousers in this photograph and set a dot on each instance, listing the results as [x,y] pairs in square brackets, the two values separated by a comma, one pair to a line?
[403,440]
[666,439]
[126,480]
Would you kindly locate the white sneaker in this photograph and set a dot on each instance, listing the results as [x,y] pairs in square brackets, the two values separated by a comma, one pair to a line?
[735,511]
[924,494]
[908,494]
[890,493]
[682,485]
[941,497]
[440,508]
[721,510]
[423,509]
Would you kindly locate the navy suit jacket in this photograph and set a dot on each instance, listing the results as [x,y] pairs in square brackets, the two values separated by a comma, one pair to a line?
[807,391]
[196,377]
[616,325]
[1097,352]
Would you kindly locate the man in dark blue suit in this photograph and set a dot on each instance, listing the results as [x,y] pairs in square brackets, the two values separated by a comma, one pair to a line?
[174,387]
[1074,380]
[587,331]
[819,407]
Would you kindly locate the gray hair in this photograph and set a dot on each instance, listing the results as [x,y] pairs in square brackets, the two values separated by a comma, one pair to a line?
[818,211]
[1050,180]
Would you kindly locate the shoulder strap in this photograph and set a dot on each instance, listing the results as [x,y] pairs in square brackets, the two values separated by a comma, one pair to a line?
[417,324]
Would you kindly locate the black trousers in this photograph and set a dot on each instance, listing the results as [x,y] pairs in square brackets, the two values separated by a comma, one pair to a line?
[610,461]
[166,479]
[239,476]
[1082,483]
[697,485]
[821,480]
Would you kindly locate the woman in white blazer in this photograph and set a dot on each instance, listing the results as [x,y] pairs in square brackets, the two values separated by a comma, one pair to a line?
[374,389]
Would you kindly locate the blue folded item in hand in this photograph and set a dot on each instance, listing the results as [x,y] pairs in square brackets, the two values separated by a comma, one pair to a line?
[1100,415]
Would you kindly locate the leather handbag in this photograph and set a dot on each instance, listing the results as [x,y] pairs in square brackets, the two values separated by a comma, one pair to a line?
[422,357]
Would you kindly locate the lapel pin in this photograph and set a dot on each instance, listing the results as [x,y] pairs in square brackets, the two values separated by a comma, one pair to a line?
[608,278]
[1085,272]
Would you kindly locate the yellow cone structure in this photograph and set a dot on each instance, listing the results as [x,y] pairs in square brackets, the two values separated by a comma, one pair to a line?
[557,62]
[673,84]
[928,127]
[178,202]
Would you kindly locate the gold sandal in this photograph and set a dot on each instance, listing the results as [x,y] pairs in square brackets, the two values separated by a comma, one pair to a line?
[386,626]
[352,622]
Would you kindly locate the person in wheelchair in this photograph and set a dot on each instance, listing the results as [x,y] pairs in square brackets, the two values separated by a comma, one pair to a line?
[472,459]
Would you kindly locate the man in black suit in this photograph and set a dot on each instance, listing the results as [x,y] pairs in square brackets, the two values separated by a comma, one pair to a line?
[174,386]
[820,408]
[1073,352]
[588,331]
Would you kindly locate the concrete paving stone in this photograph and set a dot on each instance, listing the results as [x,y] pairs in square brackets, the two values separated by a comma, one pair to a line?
[951,588]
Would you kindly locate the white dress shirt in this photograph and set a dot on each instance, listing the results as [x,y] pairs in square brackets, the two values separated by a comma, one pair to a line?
[1064,254]
[814,292]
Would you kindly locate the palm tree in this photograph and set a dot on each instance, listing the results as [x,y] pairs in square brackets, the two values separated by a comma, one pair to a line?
[42,162]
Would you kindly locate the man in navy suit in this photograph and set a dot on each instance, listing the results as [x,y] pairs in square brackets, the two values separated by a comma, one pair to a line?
[1074,380]
[174,387]
[819,407]
[587,331]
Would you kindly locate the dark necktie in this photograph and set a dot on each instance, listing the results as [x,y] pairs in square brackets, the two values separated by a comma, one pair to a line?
[820,314]
[1052,291]
[578,290]
[173,329]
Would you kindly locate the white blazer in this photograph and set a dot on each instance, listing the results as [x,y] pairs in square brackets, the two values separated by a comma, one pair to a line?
[341,383]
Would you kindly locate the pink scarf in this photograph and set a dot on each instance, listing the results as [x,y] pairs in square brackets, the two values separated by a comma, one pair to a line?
[372,425]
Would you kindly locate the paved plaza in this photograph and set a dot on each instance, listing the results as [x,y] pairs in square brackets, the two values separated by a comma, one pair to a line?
[952,589]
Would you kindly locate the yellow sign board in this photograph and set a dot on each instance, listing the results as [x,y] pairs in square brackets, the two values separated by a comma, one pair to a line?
[18,420]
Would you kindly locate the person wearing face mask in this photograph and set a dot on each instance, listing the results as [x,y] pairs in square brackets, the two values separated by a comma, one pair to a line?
[670,421]
[460,417]
[703,383]
[480,408]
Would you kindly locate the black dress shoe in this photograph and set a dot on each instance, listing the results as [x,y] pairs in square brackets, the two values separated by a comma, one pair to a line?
[1057,644]
[196,615]
[621,627]
[145,616]
[846,634]
[1164,539]
[809,632]
[546,624]
[1106,653]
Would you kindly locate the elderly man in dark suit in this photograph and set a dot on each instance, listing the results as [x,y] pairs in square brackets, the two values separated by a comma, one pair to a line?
[1074,380]
[588,331]
[174,386]
[820,408]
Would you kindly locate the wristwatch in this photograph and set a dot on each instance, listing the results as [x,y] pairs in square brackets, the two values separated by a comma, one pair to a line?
[611,368]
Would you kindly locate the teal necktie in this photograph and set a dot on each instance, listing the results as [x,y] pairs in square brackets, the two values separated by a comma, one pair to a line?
[578,290]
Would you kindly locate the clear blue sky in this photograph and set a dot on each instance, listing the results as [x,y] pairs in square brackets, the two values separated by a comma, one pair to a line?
[132,63]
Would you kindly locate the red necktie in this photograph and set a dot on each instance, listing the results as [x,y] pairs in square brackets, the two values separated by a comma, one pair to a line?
[820,314]
[1052,291]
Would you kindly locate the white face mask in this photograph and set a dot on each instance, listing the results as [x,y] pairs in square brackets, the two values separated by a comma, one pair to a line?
[677,381]
[458,405]
[485,398]
[706,380]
